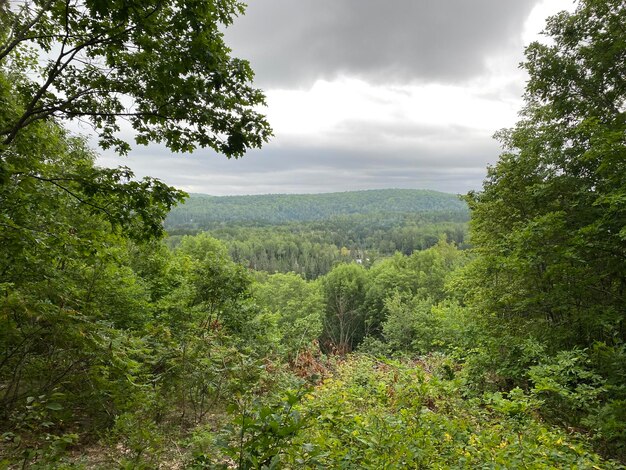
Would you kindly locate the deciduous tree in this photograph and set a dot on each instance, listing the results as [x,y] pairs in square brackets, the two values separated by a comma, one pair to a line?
[161,65]
[550,222]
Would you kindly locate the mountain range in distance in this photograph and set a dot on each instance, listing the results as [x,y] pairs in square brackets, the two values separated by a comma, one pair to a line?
[204,211]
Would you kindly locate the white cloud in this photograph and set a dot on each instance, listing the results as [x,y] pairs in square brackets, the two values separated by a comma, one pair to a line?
[317,115]
[535,22]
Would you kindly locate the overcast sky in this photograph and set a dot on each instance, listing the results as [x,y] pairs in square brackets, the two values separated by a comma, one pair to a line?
[368,94]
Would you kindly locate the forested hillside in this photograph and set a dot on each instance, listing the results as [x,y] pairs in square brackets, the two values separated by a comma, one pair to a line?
[121,348]
[205,212]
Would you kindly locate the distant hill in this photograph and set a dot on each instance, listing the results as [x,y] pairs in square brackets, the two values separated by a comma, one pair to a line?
[203,211]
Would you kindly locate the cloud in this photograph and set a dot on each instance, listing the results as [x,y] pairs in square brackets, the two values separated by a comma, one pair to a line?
[366,94]
[294,43]
[348,135]
[455,164]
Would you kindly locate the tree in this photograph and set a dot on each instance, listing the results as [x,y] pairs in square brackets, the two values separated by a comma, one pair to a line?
[218,285]
[89,338]
[422,275]
[298,306]
[161,65]
[344,291]
[69,303]
[45,158]
[550,230]
[550,222]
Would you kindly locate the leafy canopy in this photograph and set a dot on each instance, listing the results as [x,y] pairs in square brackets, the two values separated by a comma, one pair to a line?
[551,219]
[161,65]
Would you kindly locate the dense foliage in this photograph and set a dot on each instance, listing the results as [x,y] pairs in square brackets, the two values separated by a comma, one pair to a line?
[118,350]
[550,228]
[387,414]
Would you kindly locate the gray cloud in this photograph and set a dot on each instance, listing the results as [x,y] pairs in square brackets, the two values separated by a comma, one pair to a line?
[292,43]
[308,168]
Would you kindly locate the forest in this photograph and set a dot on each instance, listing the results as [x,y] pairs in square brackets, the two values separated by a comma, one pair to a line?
[354,337]
[312,233]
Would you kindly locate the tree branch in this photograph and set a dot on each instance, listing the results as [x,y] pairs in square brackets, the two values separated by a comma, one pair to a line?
[71,193]
[19,37]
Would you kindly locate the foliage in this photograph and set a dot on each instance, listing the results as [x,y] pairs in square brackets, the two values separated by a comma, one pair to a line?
[548,227]
[548,224]
[344,295]
[95,311]
[37,417]
[162,66]
[512,356]
[416,326]
[312,249]
[140,438]
[387,414]
[309,234]
[259,435]
[70,303]
[298,308]
[568,383]
[422,275]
